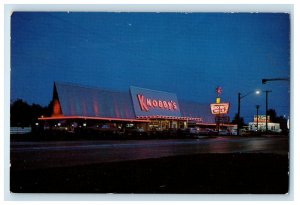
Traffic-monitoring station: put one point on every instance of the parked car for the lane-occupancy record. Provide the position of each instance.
(211, 132)
(233, 132)
(223, 132)
(103, 129)
(193, 130)
(206, 132)
(134, 131)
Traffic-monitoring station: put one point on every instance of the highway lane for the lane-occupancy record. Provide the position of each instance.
(37, 155)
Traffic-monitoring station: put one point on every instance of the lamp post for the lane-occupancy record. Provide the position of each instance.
(240, 96)
(267, 92)
(257, 107)
(263, 81)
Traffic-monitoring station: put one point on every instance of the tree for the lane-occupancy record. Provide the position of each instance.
(272, 114)
(20, 113)
(240, 122)
(281, 120)
(23, 115)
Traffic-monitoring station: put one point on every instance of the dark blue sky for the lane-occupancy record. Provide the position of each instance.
(189, 54)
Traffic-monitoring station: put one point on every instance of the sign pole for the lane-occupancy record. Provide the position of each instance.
(267, 92)
(218, 101)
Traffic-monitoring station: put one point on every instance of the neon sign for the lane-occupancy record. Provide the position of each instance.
(148, 103)
(261, 118)
(218, 90)
(221, 108)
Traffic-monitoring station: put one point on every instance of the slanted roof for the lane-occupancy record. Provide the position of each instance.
(193, 109)
(77, 100)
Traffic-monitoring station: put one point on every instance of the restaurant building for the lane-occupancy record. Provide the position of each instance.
(259, 124)
(147, 110)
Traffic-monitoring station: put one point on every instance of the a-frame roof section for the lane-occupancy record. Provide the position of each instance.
(77, 100)
(193, 109)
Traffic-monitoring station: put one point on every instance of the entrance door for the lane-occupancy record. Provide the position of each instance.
(174, 124)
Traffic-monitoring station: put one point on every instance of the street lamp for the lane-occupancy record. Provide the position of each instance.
(257, 107)
(240, 96)
(267, 92)
(263, 81)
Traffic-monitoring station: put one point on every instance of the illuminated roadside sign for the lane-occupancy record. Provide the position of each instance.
(148, 102)
(261, 118)
(222, 119)
(218, 90)
(221, 108)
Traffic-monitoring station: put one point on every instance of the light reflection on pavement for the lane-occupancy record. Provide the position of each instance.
(36, 155)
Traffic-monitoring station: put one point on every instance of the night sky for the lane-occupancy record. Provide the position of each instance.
(189, 54)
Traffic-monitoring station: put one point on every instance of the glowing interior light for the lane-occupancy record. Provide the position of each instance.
(91, 118)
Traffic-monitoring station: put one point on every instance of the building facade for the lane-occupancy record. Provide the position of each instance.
(259, 124)
(146, 110)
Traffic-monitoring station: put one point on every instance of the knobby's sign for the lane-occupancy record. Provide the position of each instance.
(148, 103)
(221, 108)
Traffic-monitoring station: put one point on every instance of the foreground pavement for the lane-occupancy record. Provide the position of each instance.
(236, 173)
(222, 165)
(39, 155)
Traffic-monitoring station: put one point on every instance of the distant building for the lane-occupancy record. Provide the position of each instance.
(261, 122)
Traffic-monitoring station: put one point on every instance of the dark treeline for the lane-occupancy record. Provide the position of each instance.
(24, 115)
(278, 119)
(239, 121)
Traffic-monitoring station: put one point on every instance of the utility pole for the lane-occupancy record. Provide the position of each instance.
(257, 107)
(267, 92)
(257, 92)
(238, 115)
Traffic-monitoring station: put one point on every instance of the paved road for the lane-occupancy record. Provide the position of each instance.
(36, 155)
